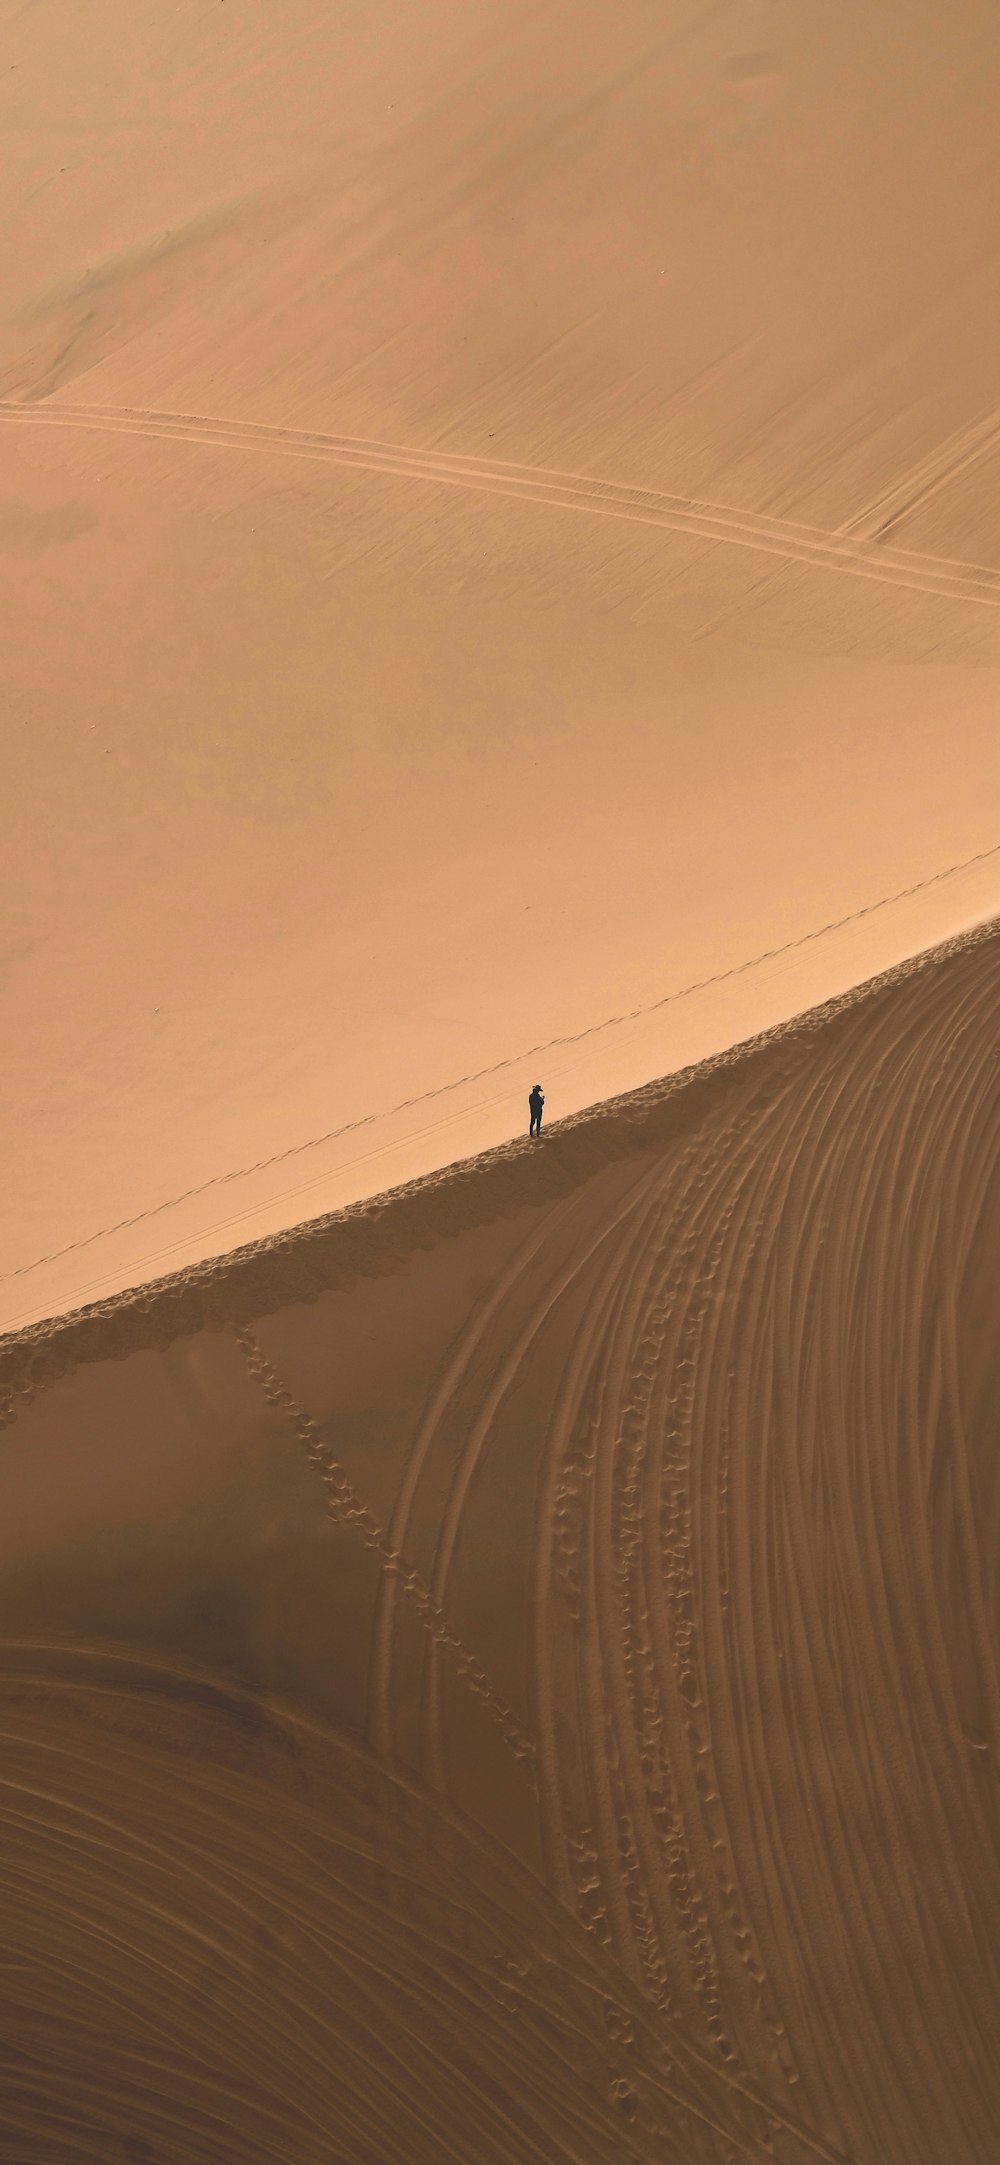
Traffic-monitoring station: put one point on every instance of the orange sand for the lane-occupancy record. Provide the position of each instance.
(498, 519)
(498, 525)
(511, 1672)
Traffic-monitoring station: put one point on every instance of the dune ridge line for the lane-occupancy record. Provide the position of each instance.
(498, 1067)
(381, 1232)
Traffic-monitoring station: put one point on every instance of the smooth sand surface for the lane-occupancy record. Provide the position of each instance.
(510, 1673)
(498, 521)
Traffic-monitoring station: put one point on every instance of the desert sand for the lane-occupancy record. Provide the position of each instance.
(498, 521)
(500, 548)
(509, 1671)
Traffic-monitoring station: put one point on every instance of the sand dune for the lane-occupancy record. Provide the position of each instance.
(512, 1671)
(498, 519)
(499, 532)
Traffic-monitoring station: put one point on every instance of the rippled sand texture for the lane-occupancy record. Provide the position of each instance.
(537, 1697)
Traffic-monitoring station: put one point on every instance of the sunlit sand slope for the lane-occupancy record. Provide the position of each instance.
(446, 447)
(511, 1673)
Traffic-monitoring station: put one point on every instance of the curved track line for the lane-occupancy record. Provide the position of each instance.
(784, 538)
(442, 1396)
(345, 1509)
(548, 1298)
(871, 1147)
(763, 1665)
(562, 1464)
(249, 1977)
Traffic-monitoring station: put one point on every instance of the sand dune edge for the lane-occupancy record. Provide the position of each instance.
(526, 1683)
(369, 1237)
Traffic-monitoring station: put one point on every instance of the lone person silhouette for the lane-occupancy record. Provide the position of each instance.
(535, 1103)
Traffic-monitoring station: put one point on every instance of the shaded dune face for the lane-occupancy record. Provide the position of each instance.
(541, 1701)
(229, 1936)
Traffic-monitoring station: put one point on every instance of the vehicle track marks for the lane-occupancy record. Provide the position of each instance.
(784, 538)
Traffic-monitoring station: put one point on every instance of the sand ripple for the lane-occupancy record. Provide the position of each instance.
(602, 1598)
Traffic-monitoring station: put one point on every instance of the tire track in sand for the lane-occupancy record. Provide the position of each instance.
(443, 1394)
(784, 538)
(765, 1699)
(270, 1951)
(722, 1394)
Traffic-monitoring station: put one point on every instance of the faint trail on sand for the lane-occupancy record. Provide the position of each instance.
(345, 1508)
(499, 1067)
(696, 1457)
(785, 538)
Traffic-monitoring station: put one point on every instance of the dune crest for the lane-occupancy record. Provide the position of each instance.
(512, 1672)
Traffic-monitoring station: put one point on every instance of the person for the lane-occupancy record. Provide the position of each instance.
(535, 1102)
